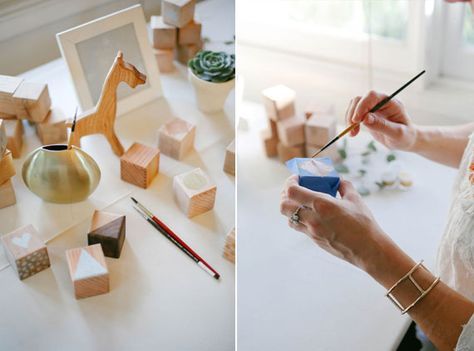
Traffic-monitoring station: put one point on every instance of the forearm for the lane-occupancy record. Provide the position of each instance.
(440, 314)
(442, 144)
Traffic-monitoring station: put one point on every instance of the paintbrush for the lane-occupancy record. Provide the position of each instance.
(372, 110)
(69, 143)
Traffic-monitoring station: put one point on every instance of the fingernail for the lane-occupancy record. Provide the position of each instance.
(370, 119)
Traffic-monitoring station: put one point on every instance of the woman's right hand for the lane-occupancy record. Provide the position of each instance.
(390, 125)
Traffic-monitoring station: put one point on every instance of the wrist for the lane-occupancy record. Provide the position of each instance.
(417, 139)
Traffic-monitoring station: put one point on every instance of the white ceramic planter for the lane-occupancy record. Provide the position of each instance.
(210, 96)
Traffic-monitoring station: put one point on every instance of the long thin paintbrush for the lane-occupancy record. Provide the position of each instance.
(69, 143)
(372, 110)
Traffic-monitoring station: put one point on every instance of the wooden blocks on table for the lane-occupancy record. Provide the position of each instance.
(176, 138)
(269, 143)
(139, 165)
(7, 168)
(291, 131)
(3, 138)
(164, 35)
(25, 251)
(194, 192)
(53, 129)
(178, 12)
(8, 106)
(186, 52)
(107, 229)
(190, 33)
(279, 102)
(320, 129)
(164, 59)
(229, 247)
(88, 271)
(229, 162)
(286, 153)
(14, 132)
(7, 194)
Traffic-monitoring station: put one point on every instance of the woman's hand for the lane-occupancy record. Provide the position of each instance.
(390, 125)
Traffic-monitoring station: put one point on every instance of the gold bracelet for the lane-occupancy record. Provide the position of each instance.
(409, 276)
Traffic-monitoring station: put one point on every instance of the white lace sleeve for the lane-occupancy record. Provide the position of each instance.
(466, 339)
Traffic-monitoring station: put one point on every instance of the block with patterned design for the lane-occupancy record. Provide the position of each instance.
(107, 229)
(229, 247)
(88, 271)
(25, 251)
(176, 138)
(194, 192)
(140, 164)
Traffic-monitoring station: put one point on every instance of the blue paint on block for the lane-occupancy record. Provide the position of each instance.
(317, 175)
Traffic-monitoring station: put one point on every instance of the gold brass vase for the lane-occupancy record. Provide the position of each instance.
(61, 175)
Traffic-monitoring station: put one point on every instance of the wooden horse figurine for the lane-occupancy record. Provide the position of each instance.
(101, 118)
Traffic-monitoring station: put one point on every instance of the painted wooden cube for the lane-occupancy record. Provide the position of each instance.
(164, 35)
(164, 60)
(229, 247)
(88, 271)
(176, 138)
(269, 143)
(7, 168)
(107, 229)
(330, 152)
(229, 161)
(3, 138)
(25, 251)
(178, 12)
(320, 129)
(14, 131)
(34, 99)
(317, 174)
(194, 192)
(186, 52)
(286, 153)
(279, 102)
(291, 130)
(190, 33)
(139, 165)
(7, 194)
(53, 129)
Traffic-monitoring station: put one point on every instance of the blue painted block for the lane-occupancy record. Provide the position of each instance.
(317, 174)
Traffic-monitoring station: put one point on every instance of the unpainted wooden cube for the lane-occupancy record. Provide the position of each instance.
(273, 129)
(286, 153)
(291, 130)
(279, 102)
(164, 35)
(330, 152)
(164, 60)
(178, 12)
(186, 52)
(14, 131)
(7, 194)
(320, 129)
(3, 138)
(190, 33)
(176, 138)
(229, 161)
(8, 105)
(314, 108)
(229, 247)
(194, 192)
(107, 229)
(269, 143)
(7, 168)
(25, 251)
(88, 271)
(139, 165)
(34, 97)
(53, 129)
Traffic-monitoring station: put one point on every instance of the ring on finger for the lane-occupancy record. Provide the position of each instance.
(295, 216)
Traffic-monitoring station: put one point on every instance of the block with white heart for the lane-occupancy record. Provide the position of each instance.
(317, 174)
(88, 271)
(25, 251)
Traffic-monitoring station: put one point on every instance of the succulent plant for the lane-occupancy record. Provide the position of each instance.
(212, 66)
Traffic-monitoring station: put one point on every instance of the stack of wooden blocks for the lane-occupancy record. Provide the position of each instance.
(7, 170)
(176, 34)
(291, 134)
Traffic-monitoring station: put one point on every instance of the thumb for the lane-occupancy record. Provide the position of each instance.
(382, 125)
(348, 192)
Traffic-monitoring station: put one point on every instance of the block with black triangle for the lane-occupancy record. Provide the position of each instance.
(107, 229)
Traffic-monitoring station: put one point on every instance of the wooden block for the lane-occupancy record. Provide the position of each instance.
(279, 102)
(164, 35)
(53, 129)
(273, 129)
(178, 12)
(176, 138)
(34, 97)
(164, 60)
(14, 131)
(320, 129)
(107, 229)
(314, 108)
(25, 251)
(194, 192)
(88, 271)
(269, 143)
(7, 168)
(229, 161)
(291, 131)
(190, 33)
(8, 85)
(286, 153)
(229, 247)
(330, 152)
(3, 138)
(184, 53)
(7, 194)
(140, 164)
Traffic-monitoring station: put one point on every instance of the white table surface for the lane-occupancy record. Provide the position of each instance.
(159, 298)
(292, 295)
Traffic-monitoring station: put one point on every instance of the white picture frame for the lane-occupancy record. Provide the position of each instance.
(90, 49)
